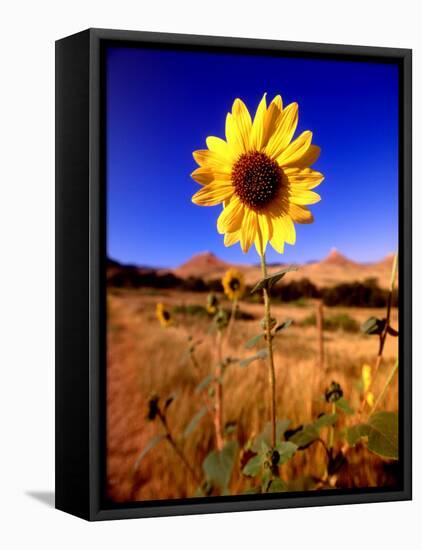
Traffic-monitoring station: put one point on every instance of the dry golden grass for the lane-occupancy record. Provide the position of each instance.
(144, 359)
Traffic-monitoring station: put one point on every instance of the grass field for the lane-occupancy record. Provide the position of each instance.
(146, 359)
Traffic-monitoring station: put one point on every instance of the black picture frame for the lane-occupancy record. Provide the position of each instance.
(80, 275)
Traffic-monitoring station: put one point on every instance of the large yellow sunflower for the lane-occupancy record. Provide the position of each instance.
(262, 177)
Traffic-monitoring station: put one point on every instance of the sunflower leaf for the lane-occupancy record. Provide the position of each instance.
(262, 354)
(194, 422)
(265, 435)
(276, 486)
(373, 326)
(218, 465)
(254, 340)
(286, 450)
(148, 447)
(382, 433)
(392, 331)
(253, 466)
(270, 280)
(204, 383)
(283, 326)
(344, 406)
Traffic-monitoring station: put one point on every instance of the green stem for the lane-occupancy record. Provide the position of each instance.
(331, 436)
(383, 335)
(269, 338)
(177, 449)
(218, 416)
(231, 321)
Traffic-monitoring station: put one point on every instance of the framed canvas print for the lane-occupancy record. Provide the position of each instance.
(233, 274)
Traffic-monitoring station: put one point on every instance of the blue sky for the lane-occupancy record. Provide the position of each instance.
(161, 105)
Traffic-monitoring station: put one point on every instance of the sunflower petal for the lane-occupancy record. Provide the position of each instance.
(231, 238)
(295, 150)
(299, 214)
(248, 231)
(220, 147)
(264, 233)
(284, 229)
(257, 132)
(272, 117)
(277, 242)
(231, 217)
(203, 175)
(210, 159)
(243, 121)
(283, 134)
(304, 178)
(213, 193)
(303, 196)
(311, 156)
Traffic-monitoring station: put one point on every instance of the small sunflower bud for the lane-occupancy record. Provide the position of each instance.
(153, 408)
(221, 319)
(275, 457)
(212, 303)
(333, 393)
(273, 323)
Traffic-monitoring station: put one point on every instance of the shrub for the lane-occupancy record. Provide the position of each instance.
(340, 321)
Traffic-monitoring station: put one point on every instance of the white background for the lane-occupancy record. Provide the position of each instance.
(27, 36)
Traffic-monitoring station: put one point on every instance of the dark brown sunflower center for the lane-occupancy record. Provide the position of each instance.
(166, 315)
(256, 179)
(234, 284)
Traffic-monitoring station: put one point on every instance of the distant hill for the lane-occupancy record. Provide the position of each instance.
(332, 270)
(202, 265)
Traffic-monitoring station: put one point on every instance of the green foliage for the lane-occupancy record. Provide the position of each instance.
(265, 464)
(269, 281)
(295, 291)
(325, 421)
(195, 421)
(357, 294)
(341, 321)
(381, 432)
(148, 447)
(283, 326)
(218, 465)
(344, 406)
(194, 310)
(252, 342)
(261, 354)
(306, 435)
(254, 466)
(373, 326)
(276, 486)
(205, 383)
(265, 435)
(286, 450)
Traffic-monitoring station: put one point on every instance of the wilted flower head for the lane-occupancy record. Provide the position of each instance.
(153, 407)
(234, 284)
(163, 315)
(212, 303)
(221, 319)
(333, 393)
